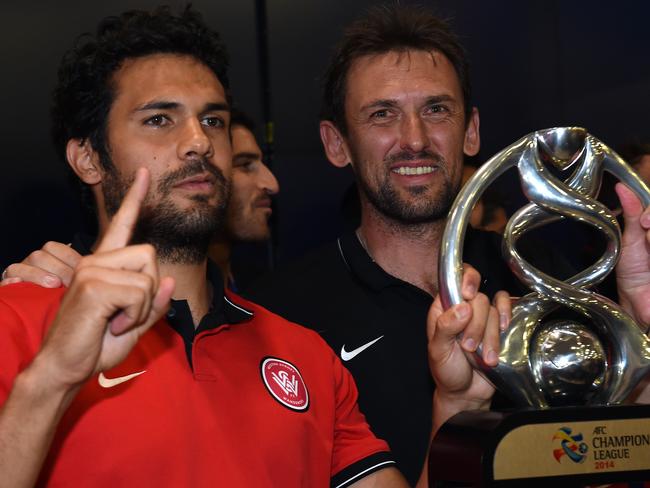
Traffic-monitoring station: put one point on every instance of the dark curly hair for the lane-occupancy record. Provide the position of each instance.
(388, 28)
(242, 119)
(84, 92)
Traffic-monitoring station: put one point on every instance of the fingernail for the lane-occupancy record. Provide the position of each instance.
(461, 311)
(492, 357)
(469, 344)
(470, 290)
(503, 321)
(51, 281)
(645, 220)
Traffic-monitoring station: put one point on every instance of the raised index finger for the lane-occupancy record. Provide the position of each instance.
(121, 227)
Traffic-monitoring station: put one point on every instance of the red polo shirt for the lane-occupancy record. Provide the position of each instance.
(263, 403)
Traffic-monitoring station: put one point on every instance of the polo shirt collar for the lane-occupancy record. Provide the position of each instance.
(224, 309)
(362, 266)
(233, 313)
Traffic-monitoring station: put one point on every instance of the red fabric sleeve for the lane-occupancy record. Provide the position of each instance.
(25, 313)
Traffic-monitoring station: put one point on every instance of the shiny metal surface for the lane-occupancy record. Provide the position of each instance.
(569, 362)
(525, 372)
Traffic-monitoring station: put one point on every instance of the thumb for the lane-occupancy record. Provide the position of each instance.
(637, 221)
(631, 205)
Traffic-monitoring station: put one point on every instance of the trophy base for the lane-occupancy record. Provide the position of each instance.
(559, 447)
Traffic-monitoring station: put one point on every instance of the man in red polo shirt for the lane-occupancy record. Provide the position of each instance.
(108, 384)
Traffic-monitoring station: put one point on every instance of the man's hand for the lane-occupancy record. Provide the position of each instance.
(458, 385)
(51, 266)
(454, 332)
(114, 297)
(633, 269)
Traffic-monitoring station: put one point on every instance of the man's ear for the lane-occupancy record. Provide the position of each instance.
(472, 142)
(84, 161)
(335, 146)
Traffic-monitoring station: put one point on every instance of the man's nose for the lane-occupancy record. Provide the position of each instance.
(268, 181)
(413, 134)
(194, 141)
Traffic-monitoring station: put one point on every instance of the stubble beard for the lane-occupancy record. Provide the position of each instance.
(419, 209)
(243, 224)
(256, 230)
(180, 236)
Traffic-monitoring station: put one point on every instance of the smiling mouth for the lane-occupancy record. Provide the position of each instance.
(414, 170)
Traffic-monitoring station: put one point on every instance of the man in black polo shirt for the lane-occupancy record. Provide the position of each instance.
(397, 107)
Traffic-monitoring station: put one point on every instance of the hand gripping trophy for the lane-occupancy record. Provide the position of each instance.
(545, 361)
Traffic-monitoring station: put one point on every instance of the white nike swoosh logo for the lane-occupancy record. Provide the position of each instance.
(111, 382)
(346, 356)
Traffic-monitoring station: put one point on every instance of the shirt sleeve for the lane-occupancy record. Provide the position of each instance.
(25, 313)
(357, 452)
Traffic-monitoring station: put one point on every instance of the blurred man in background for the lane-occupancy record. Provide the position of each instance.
(249, 208)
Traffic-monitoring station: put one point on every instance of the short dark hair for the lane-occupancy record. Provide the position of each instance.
(84, 92)
(390, 28)
(237, 117)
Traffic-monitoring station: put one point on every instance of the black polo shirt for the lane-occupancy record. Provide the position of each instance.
(376, 323)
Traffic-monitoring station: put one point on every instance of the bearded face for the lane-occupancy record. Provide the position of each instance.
(171, 115)
(413, 204)
(407, 134)
(180, 235)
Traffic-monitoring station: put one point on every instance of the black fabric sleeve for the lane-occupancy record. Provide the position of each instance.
(364, 467)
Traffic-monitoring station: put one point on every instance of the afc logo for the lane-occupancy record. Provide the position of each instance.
(571, 446)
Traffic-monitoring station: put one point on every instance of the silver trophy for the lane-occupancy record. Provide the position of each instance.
(595, 361)
(585, 364)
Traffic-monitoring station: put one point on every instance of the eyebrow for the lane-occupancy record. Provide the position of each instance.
(440, 98)
(167, 105)
(382, 103)
(216, 107)
(387, 103)
(246, 155)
